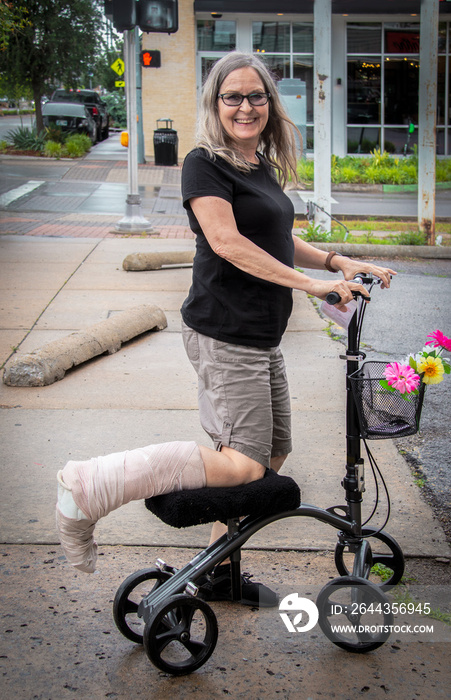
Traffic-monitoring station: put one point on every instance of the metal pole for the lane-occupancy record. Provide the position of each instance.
(322, 109)
(133, 221)
(427, 111)
(139, 106)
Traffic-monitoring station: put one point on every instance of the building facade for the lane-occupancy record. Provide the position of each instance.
(375, 67)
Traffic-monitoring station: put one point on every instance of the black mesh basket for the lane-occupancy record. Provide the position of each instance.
(383, 414)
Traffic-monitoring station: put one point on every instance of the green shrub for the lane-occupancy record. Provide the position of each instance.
(315, 234)
(25, 139)
(350, 173)
(117, 109)
(53, 149)
(77, 145)
(411, 238)
(305, 170)
(3, 146)
(443, 170)
(54, 133)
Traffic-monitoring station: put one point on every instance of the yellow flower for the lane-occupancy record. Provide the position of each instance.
(431, 368)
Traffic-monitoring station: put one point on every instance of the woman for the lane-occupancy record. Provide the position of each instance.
(234, 317)
(244, 272)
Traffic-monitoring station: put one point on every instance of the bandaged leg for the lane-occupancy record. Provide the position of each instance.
(87, 491)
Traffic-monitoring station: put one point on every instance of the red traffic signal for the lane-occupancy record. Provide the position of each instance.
(151, 59)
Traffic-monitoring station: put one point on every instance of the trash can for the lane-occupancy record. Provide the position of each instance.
(165, 143)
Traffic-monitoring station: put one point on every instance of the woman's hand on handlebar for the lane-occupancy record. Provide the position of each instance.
(343, 288)
(350, 268)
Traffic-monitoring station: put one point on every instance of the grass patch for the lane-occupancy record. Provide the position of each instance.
(385, 232)
(376, 169)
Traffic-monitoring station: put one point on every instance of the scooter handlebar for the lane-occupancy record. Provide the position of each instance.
(361, 278)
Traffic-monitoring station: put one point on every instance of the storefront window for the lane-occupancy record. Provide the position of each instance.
(216, 35)
(364, 91)
(287, 50)
(302, 37)
(363, 139)
(303, 70)
(364, 37)
(399, 140)
(271, 36)
(441, 85)
(440, 142)
(442, 37)
(401, 90)
(402, 37)
(278, 65)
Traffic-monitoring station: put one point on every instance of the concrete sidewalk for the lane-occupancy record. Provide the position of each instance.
(59, 639)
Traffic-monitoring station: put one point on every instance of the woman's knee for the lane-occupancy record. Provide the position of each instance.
(245, 469)
(229, 467)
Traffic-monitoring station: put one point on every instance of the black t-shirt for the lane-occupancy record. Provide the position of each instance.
(224, 302)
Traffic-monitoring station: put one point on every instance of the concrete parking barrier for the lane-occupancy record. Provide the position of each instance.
(138, 262)
(50, 363)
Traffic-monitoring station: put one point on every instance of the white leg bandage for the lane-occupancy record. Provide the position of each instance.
(91, 489)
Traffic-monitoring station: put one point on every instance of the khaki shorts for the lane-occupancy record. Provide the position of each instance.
(244, 401)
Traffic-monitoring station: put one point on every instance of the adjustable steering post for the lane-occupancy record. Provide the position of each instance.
(354, 481)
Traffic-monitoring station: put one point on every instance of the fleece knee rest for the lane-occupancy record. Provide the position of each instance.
(268, 496)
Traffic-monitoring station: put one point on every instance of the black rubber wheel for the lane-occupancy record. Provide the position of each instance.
(127, 599)
(181, 634)
(392, 558)
(354, 614)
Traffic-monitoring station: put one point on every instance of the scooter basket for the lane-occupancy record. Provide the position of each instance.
(383, 414)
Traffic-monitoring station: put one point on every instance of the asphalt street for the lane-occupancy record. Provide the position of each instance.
(109, 197)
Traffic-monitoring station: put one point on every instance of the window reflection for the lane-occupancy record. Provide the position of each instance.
(216, 35)
(271, 36)
(364, 91)
(401, 90)
(364, 37)
(363, 140)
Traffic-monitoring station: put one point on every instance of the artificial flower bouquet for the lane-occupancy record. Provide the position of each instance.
(427, 367)
(389, 397)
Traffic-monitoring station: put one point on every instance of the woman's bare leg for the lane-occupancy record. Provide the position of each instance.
(89, 490)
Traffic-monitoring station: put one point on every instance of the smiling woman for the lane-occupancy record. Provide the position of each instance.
(244, 271)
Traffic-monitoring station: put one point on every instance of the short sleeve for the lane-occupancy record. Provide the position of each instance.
(204, 177)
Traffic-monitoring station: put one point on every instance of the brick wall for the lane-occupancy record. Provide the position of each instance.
(170, 91)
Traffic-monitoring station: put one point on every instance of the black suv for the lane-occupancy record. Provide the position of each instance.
(95, 105)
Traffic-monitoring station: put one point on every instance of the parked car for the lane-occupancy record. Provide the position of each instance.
(93, 102)
(69, 117)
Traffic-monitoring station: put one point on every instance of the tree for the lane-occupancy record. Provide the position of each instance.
(12, 19)
(56, 43)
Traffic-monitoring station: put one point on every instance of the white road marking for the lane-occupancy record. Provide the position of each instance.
(19, 192)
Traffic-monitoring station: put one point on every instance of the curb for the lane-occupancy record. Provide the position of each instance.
(388, 251)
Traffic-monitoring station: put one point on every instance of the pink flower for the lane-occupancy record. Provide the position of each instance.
(439, 340)
(401, 377)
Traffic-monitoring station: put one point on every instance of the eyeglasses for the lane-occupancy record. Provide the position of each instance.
(234, 99)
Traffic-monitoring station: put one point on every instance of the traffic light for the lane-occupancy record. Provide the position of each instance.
(157, 15)
(124, 14)
(150, 15)
(151, 59)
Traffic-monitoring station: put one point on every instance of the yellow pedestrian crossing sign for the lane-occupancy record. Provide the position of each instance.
(118, 66)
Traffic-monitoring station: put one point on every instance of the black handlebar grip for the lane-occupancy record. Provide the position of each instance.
(333, 298)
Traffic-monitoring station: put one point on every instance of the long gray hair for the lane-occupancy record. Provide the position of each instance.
(277, 141)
